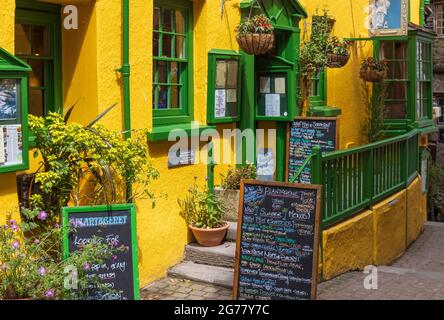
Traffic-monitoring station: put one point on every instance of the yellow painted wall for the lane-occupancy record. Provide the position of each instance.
(415, 214)
(377, 236)
(348, 245)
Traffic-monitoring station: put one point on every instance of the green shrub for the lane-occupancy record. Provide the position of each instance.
(232, 180)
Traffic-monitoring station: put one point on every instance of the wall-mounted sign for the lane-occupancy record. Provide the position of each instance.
(277, 249)
(388, 17)
(181, 157)
(303, 135)
(272, 96)
(13, 113)
(112, 225)
(266, 164)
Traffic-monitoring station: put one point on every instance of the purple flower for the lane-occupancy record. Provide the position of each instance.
(50, 293)
(36, 241)
(12, 222)
(115, 243)
(42, 271)
(56, 226)
(86, 266)
(15, 244)
(14, 227)
(114, 257)
(42, 216)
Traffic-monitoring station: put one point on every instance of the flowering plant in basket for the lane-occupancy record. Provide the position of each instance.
(374, 71)
(255, 35)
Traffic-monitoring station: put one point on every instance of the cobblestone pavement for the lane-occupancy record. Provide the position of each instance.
(419, 274)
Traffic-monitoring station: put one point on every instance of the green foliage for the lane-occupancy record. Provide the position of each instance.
(31, 266)
(89, 165)
(234, 176)
(436, 189)
(372, 64)
(336, 46)
(202, 209)
(257, 24)
(373, 125)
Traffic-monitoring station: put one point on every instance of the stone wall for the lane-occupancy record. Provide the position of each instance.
(438, 55)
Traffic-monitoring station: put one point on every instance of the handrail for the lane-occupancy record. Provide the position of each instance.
(354, 179)
(369, 146)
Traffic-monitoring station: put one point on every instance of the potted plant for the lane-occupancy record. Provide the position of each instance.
(229, 189)
(31, 267)
(203, 211)
(436, 193)
(337, 53)
(373, 71)
(255, 35)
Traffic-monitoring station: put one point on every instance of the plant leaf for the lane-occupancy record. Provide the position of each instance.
(70, 110)
(100, 116)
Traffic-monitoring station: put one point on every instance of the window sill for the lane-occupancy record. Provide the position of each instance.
(161, 133)
(324, 111)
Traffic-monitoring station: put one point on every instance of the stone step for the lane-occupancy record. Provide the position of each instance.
(221, 256)
(232, 231)
(203, 273)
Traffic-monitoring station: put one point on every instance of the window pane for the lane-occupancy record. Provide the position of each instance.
(156, 37)
(36, 77)
(221, 74)
(180, 47)
(163, 98)
(156, 18)
(401, 50)
(166, 46)
(180, 22)
(155, 90)
(22, 39)
(396, 110)
(162, 72)
(232, 74)
(175, 98)
(167, 22)
(39, 41)
(174, 72)
(387, 50)
(36, 102)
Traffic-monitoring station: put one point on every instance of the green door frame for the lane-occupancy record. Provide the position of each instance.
(46, 15)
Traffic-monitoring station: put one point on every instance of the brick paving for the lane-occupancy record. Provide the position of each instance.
(417, 275)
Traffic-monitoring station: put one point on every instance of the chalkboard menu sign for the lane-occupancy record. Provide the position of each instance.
(112, 224)
(278, 238)
(303, 135)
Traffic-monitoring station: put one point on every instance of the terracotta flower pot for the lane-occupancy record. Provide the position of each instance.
(373, 75)
(210, 237)
(256, 43)
(337, 60)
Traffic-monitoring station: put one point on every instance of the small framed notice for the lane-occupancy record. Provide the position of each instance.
(273, 105)
(220, 103)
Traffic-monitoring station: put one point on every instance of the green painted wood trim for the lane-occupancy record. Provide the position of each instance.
(281, 152)
(104, 208)
(325, 111)
(161, 133)
(213, 56)
(183, 114)
(38, 6)
(22, 119)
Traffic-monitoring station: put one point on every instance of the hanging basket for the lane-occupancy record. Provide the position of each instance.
(256, 43)
(337, 61)
(373, 75)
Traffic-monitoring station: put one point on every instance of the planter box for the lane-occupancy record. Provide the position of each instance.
(230, 199)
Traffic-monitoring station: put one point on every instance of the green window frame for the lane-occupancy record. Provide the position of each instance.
(228, 83)
(424, 76)
(47, 16)
(413, 89)
(318, 89)
(20, 77)
(172, 62)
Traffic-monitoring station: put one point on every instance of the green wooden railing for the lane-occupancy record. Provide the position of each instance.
(354, 179)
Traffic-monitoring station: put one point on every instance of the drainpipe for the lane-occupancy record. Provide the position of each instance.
(125, 70)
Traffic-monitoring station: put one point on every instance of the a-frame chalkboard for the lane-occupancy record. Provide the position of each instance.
(304, 134)
(110, 223)
(277, 241)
